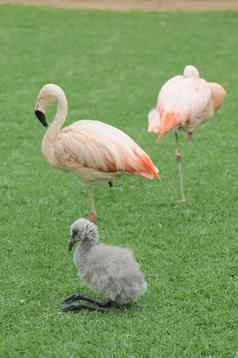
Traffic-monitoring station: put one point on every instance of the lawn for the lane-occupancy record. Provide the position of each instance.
(111, 66)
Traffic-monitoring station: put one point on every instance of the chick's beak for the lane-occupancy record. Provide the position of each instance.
(71, 243)
(40, 115)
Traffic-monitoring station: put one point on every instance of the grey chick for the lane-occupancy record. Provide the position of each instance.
(111, 270)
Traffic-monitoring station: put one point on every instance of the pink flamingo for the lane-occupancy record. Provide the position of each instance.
(93, 150)
(184, 102)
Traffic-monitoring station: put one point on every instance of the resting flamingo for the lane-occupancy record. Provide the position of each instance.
(184, 102)
(93, 150)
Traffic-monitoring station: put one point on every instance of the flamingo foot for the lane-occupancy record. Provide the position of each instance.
(92, 217)
(92, 305)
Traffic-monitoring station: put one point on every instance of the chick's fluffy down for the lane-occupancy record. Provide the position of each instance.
(113, 271)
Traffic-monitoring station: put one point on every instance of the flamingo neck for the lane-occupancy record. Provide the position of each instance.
(83, 251)
(54, 128)
(61, 114)
(85, 247)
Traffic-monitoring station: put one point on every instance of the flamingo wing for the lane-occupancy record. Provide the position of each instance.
(182, 100)
(218, 95)
(103, 148)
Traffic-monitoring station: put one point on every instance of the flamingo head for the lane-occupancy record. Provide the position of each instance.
(191, 71)
(218, 95)
(83, 231)
(48, 94)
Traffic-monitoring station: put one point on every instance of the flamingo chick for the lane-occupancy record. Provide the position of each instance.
(93, 150)
(184, 102)
(111, 270)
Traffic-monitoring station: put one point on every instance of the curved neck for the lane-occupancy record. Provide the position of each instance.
(57, 123)
(54, 128)
(61, 113)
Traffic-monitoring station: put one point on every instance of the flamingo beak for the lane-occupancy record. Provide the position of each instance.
(71, 244)
(40, 115)
(72, 240)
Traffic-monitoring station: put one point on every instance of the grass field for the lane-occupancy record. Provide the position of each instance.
(111, 67)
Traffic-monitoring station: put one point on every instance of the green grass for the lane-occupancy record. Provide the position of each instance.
(111, 67)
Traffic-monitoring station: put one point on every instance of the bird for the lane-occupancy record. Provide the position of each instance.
(93, 150)
(184, 102)
(109, 270)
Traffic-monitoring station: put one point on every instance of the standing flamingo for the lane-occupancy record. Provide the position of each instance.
(184, 102)
(93, 150)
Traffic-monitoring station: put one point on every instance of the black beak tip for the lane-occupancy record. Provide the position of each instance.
(71, 244)
(41, 117)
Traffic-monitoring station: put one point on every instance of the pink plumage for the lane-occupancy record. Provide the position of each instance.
(96, 150)
(92, 150)
(185, 101)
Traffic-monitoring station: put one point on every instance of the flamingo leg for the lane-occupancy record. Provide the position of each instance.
(190, 135)
(92, 206)
(179, 170)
